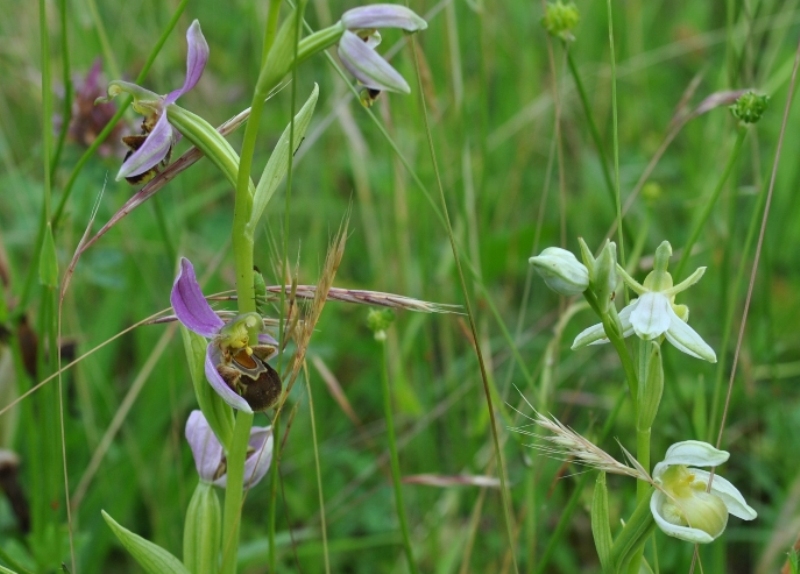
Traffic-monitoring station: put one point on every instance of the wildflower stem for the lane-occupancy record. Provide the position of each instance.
(322, 520)
(231, 518)
(506, 503)
(708, 205)
(593, 131)
(270, 29)
(396, 482)
(615, 131)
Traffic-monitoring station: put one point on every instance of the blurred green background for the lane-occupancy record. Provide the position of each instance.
(494, 83)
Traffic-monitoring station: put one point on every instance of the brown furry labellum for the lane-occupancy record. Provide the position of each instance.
(252, 377)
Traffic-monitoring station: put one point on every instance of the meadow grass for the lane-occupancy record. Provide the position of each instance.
(496, 154)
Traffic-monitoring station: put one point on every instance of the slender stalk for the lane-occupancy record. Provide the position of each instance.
(615, 131)
(709, 204)
(471, 316)
(66, 109)
(274, 478)
(395, 460)
(231, 516)
(593, 131)
(318, 468)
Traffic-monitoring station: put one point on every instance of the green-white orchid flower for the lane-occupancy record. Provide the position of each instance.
(681, 505)
(655, 313)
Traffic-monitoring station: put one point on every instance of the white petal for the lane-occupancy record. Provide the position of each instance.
(686, 339)
(695, 453)
(650, 318)
(625, 318)
(730, 495)
(683, 532)
(594, 335)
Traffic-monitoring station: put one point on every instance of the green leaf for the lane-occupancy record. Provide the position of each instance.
(281, 57)
(633, 535)
(4, 570)
(48, 261)
(278, 163)
(151, 557)
(217, 412)
(601, 529)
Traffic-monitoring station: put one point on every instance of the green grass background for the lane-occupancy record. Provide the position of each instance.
(489, 89)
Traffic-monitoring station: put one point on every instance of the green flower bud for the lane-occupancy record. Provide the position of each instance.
(560, 19)
(604, 277)
(749, 107)
(561, 271)
(378, 321)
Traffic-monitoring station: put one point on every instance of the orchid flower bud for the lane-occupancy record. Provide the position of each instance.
(561, 271)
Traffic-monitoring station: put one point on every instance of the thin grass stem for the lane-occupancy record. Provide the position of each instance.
(708, 204)
(506, 503)
(318, 469)
(397, 483)
(615, 132)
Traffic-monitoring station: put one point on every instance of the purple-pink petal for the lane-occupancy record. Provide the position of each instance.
(383, 16)
(154, 149)
(265, 339)
(368, 67)
(189, 304)
(228, 395)
(196, 58)
(206, 448)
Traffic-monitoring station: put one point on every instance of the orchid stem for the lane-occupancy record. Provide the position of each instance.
(231, 517)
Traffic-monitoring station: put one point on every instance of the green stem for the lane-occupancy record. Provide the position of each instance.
(498, 452)
(314, 442)
(273, 493)
(396, 482)
(709, 204)
(733, 297)
(593, 131)
(613, 330)
(615, 122)
(66, 79)
(231, 518)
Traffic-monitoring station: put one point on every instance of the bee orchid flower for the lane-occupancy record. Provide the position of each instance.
(158, 134)
(357, 44)
(237, 371)
(209, 455)
(681, 505)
